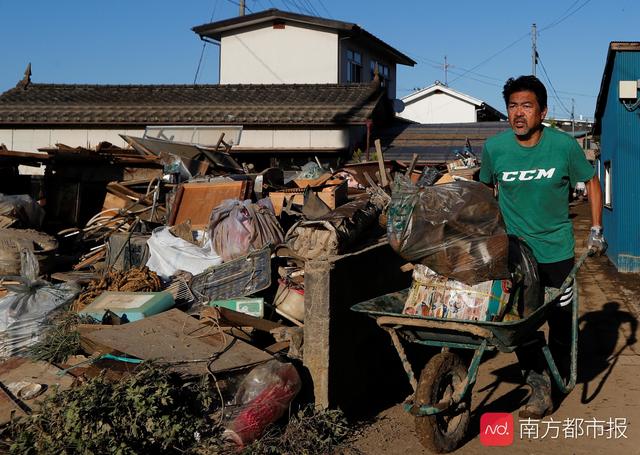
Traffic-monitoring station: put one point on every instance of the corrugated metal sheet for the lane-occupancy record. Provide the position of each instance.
(620, 144)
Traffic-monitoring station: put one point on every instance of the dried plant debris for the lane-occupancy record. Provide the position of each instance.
(60, 340)
(309, 432)
(153, 411)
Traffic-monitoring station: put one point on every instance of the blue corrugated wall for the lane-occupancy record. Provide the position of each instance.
(620, 143)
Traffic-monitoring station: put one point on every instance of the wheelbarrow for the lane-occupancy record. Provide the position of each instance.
(441, 402)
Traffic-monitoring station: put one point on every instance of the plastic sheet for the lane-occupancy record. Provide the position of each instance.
(455, 229)
(524, 270)
(24, 310)
(263, 397)
(23, 208)
(240, 227)
(333, 233)
(311, 170)
(169, 253)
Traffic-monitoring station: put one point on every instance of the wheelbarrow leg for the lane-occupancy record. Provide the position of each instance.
(403, 357)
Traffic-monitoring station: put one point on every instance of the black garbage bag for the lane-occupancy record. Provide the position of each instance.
(455, 229)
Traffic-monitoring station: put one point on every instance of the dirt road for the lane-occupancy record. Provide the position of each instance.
(608, 381)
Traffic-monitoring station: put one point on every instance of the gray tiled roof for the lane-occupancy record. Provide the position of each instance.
(436, 143)
(111, 105)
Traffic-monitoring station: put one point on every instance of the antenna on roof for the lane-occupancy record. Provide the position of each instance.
(26, 80)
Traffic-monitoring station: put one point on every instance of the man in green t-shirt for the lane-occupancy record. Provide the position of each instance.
(533, 168)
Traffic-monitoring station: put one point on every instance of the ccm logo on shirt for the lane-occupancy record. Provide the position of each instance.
(532, 174)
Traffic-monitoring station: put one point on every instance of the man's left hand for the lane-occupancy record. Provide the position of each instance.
(596, 241)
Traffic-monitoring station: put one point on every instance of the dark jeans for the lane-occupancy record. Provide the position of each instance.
(559, 319)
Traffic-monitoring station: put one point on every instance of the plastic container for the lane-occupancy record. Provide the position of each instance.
(290, 300)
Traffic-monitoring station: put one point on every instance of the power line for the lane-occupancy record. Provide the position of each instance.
(259, 4)
(204, 43)
(302, 8)
(544, 70)
(462, 73)
(233, 2)
(566, 16)
(325, 8)
(288, 5)
(493, 56)
(311, 7)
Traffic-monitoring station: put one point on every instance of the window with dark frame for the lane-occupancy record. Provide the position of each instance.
(383, 72)
(354, 66)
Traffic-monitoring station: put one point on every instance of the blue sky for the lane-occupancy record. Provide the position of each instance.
(147, 42)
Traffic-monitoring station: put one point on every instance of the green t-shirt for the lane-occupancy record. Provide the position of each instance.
(533, 188)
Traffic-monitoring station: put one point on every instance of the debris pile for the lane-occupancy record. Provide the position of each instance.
(169, 280)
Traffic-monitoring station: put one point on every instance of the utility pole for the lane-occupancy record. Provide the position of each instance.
(446, 71)
(534, 51)
(241, 7)
(573, 117)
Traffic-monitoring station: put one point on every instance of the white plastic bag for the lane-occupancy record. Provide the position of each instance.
(168, 254)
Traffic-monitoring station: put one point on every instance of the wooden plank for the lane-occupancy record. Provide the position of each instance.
(383, 173)
(334, 196)
(196, 201)
(174, 337)
(238, 319)
(412, 166)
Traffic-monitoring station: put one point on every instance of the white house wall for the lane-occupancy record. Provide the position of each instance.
(30, 140)
(293, 55)
(295, 139)
(440, 108)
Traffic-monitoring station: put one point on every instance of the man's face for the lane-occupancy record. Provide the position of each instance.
(525, 115)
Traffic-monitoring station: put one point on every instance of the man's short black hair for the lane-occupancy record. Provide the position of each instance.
(526, 83)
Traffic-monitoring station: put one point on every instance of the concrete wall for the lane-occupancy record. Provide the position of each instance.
(438, 107)
(292, 55)
(350, 360)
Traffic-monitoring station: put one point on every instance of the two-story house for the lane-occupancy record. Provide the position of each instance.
(279, 47)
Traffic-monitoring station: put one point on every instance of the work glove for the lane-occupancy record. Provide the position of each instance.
(596, 241)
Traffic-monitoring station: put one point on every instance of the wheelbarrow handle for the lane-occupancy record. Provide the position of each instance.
(569, 279)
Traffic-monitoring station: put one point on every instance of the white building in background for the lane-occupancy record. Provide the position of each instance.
(279, 47)
(294, 83)
(441, 104)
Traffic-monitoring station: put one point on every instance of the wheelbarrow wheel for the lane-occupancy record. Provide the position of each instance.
(445, 431)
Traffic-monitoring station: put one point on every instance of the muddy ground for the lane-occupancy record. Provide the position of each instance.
(608, 379)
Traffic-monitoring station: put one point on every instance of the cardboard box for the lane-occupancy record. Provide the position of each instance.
(333, 193)
(136, 305)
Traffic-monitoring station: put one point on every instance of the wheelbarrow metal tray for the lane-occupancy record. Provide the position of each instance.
(506, 336)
